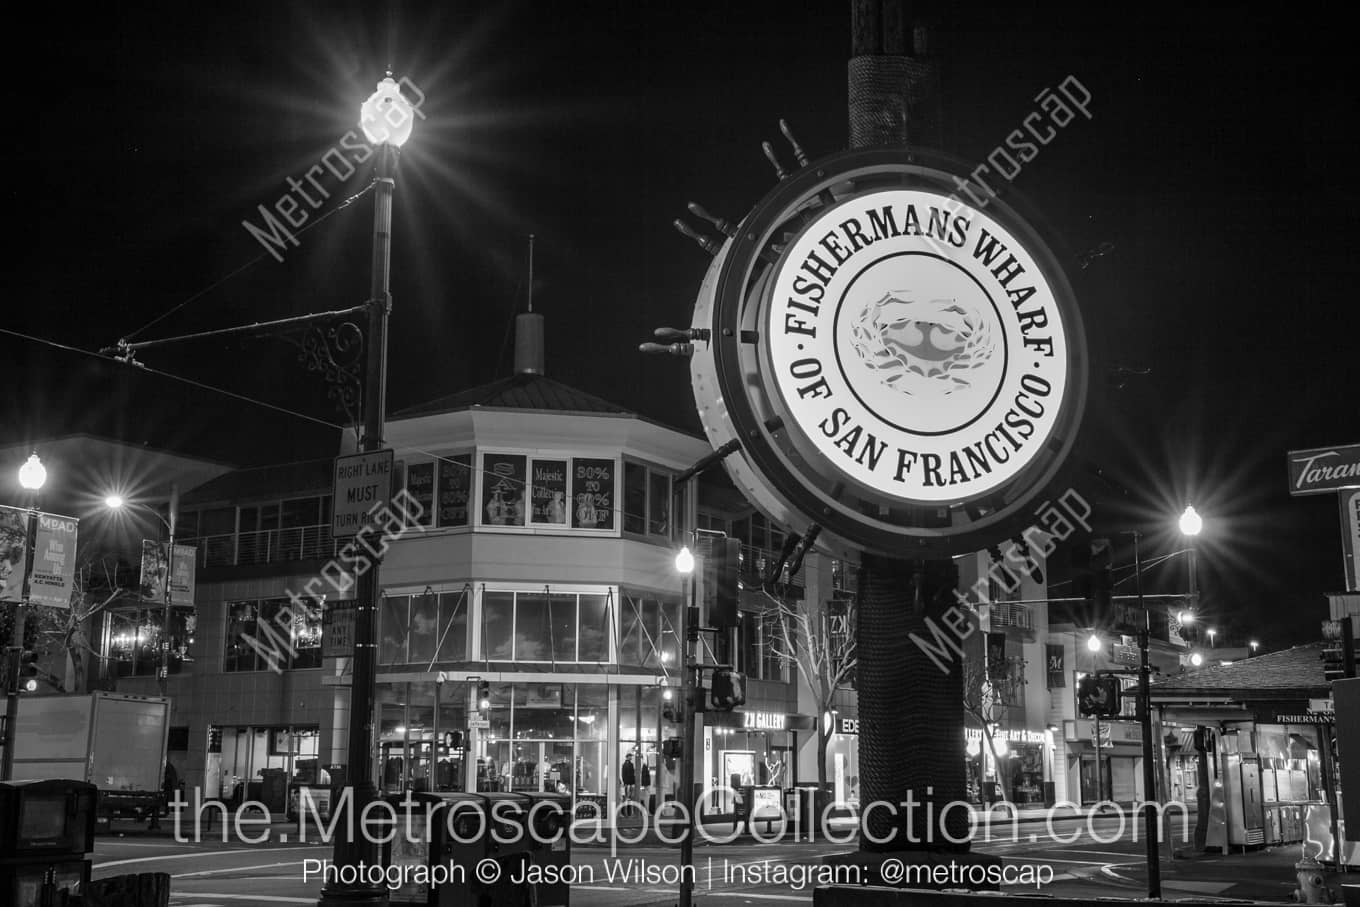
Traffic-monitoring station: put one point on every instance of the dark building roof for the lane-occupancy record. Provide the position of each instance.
(522, 391)
(1296, 671)
(281, 481)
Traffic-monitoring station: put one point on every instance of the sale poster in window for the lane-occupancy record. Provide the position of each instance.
(503, 489)
(549, 490)
(455, 488)
(420, 486)
(592, 494)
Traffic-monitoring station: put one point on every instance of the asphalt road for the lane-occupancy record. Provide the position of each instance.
(1070, 861)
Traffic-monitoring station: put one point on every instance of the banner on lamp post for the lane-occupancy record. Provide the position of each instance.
(13, 553)
(54, 561)
(183, 572)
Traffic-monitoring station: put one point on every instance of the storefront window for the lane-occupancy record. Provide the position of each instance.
(135, 636)
(1026, 766)
(547, 737)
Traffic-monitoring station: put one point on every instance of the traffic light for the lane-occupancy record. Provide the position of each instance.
(722, 607)
(728, 691)
(27, 671)
(1098, 696)
(483, 695)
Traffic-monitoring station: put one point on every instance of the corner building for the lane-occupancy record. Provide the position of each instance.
(540, 570)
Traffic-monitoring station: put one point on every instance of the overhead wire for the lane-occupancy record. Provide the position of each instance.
(250, 264)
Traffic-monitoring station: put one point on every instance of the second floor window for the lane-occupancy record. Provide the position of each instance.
(272, 634)
(545, 626)
(424, 629)
(646, 500)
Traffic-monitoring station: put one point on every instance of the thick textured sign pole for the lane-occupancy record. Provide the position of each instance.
(906, 699)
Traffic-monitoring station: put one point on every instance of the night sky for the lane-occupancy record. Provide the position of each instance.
(1217, 162)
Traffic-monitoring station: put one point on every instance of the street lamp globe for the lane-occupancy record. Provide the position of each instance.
(1191, 522)
(387, 117)
(684, 561)
(1093, 643)
(114, 501)
(1185, 617)
(1196, 659)
(33, 473)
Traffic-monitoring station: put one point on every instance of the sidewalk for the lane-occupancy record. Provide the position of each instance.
(1266, 874)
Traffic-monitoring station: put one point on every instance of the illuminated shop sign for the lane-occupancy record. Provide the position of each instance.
(1010, 735)
(765, 721)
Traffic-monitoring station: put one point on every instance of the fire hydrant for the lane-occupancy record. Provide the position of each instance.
(1312, 889)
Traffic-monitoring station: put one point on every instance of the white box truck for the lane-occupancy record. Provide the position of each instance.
(115, 741)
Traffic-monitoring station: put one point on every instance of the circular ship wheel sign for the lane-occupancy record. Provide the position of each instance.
(920, 366)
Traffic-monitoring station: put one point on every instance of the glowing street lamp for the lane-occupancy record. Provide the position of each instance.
(1254, 646)
(1093, 643)
(33, 474)
(1212, 634)
(684, 562)
(1191, 522)
(1196, 659)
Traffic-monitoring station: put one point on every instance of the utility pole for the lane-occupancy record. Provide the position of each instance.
(1154, 866)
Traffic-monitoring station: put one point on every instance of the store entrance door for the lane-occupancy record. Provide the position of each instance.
(1092, 792)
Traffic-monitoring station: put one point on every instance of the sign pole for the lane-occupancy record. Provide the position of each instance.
(353, 846)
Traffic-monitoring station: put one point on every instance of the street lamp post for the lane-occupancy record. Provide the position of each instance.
(1154, 867)
(32, 475)
(1190, 526)
(684, 563)
(386, 118)
(116, 502)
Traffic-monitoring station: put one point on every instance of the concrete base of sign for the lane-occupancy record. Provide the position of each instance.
(917, 869)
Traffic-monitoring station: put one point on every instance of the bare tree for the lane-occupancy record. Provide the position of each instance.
(986, 698)
(822, 648)
(50, 630)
